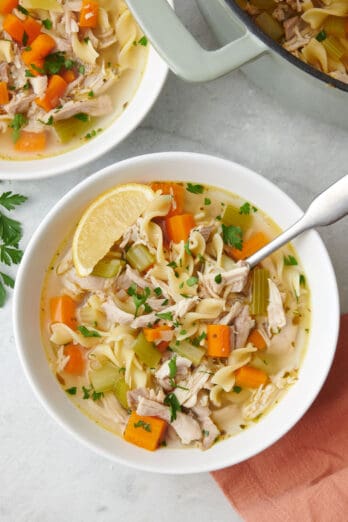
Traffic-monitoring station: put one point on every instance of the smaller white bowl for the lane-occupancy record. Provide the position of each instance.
(182, 167)
(151, 84)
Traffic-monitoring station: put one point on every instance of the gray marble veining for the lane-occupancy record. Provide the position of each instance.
(47, 476)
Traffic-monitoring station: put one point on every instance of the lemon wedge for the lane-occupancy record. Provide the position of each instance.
(105, 221)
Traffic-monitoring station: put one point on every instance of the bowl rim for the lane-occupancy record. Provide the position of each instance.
(49, 405)
(60, 164)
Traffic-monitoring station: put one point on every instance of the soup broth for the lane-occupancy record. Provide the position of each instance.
(182, 332)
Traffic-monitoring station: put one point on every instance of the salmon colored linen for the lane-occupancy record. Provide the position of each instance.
(304, 476)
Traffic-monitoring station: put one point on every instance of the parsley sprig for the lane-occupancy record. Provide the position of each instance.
(233, 236)
(10, 235)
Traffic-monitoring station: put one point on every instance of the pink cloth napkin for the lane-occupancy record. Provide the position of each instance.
(304, 476)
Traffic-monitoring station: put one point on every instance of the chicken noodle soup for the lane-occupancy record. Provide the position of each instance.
(315, 31)
(170, 339)
(68, 68)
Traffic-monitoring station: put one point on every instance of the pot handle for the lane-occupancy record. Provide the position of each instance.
(184, 55)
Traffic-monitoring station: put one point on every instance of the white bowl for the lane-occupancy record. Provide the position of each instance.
(183, 167)
(152, 81)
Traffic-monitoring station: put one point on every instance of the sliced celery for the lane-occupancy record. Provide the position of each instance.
(139, 257)
(193, 353)
(120, 390)
(72, 128)
(108, 267)
(146, 351)
(104, 378)
(259, 300)
(270, 25)
(231, 216)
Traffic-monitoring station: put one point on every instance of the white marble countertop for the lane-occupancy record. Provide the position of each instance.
(46, 475)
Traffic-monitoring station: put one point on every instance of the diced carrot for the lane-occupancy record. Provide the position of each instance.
(179, 227)
(6, 6)
(31, 141)
(14, 27)
(156, 334)
(55, 90)
(249, 377)
(250, 246)
(175, 190)
(257, 339)
(4, 97)
(89, 14)
(32, 27)
(63, 310)
(68, 76)
(146, 432)
(42, 46)
(218, 338)
(76, 362)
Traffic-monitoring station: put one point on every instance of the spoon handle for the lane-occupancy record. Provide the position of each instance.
(328, 207)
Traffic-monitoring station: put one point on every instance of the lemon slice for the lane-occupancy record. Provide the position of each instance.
(105, 221)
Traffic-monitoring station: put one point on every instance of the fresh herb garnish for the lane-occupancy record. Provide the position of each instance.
(139, 299)
(22, 9)
(55, 62)
(237, 389)
(302, 280)
(247, 208)
(321, 36)
(166, 316)
(72, 390)
(10, 235)
(195, 189)
(205, 433)
(171, 400)
(19, 121)
(81, 69)
(48, 122)
(91, 94)
(26, 86)
(158, 291)
(290, 261)
(25, 38)
(191, 281)
(88, 333)
(40, 70)
(28, 74)
(172, 367)
(142, 424)
(233, 236)
(82, 116)
(218, 278)
(165, 302)
(86, 40)
(187, 248)
(172, 264)
(207, 201)
(47, 24)
(196, 341)
(90, 393)
(143, 41)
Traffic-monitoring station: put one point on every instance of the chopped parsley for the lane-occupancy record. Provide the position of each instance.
(172, 367)
(247, 208)
(91, 94)
(195, 189)
(233, 236)
(187, 248)
(218, 278)
(26, 86)
(81, 69)
(47, 24)
(207, 201)
(158, 291)
(72, 390)
(165, 302)
(191, 281)
(205, 433)
(57, 61)
(321, 36)
(142, 424)
(90, 393)
(25, 38)
(139, 299)
(290, 261)
(166, 316)
(19, 121)
(88, 333)
(28, 74)
(302, 280)
(82, 116)
(172, 264)
(171, 400)
(237, 389)
(196, 341)
(22, 9)
(143, 41)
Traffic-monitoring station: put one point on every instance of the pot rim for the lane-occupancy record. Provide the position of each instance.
(277, 48)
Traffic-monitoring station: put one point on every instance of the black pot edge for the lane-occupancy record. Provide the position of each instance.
(247, 20)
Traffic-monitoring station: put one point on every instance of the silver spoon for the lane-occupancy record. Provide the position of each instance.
(327, 208)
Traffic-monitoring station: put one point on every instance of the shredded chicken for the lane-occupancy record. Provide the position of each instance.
(275, 310)
(187, 395)
(243, 324)
(162, 375)
(209, 430)
(95, 107)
